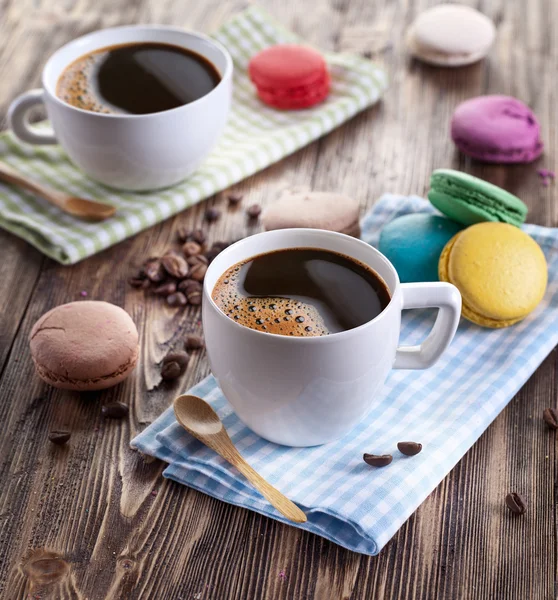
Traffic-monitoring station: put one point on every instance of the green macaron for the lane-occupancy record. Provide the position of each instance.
(471, 200)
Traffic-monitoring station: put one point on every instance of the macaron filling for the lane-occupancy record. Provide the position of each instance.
(488, 207)
(54, 378)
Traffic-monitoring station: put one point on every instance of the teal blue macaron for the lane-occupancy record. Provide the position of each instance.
(471, 200)
(413, 244)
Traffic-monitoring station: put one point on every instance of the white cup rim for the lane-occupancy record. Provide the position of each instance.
(332, 337)
(225, 76)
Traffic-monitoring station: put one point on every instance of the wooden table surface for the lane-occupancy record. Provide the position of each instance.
(124, 531)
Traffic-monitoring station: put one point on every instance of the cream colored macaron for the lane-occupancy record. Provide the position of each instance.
(500, 271)
(450, 35)
(85, 345)
(316, 210)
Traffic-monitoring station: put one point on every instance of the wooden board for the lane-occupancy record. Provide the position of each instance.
(126, 533)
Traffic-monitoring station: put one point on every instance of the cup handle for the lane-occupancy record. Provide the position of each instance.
(19, 123)
(447, 299)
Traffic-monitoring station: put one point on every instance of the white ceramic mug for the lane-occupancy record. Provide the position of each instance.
(302, 391)
(131, 152)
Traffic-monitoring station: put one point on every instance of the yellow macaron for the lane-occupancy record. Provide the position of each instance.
(500, 271)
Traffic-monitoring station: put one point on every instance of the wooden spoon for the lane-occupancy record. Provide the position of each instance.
(201, 421)
(89, 210)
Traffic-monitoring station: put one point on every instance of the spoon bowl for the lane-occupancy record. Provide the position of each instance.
(90, 210)
(197, 416)
(202, 422)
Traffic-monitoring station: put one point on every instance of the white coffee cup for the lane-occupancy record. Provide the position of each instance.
(300, 391)
(131, 152)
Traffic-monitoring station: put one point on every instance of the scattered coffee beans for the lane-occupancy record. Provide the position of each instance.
(175, 265)
(377, 460)
(198, 267)
(193, 291)
(165, 289)
(115, 410)
(550, 415)
(176, 277)
(191, 249)
(194, 342)
(154, 270)
(174, 365)
(234, 198)
(254, 211)
(516, 503)
(212, 214)
(59, 436)
(409, 448)
(177, 299)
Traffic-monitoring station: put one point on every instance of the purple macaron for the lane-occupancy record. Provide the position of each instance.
(498, 129)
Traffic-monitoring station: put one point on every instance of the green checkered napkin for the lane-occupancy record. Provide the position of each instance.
(255, 137)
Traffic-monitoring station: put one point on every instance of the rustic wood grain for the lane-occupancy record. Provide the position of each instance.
(126, 533)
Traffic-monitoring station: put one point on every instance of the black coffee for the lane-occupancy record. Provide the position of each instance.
(301, 291)
(139, 78)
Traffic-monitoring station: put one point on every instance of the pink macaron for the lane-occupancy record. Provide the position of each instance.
(497, 129)
(84, 346)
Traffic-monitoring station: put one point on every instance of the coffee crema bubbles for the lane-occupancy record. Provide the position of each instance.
(301, 292)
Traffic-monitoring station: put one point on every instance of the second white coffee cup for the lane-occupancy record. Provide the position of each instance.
(131, 152)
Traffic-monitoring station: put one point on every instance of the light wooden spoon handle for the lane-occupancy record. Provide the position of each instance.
(54, 196)
(274, 496)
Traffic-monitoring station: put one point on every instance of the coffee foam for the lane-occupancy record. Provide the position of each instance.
(283, 316)
(77, 87)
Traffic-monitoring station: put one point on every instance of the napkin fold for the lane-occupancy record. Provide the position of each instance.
(446, 408)
(255, 137)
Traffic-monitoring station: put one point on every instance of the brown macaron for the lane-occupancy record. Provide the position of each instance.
(84, 346)
(316, 210)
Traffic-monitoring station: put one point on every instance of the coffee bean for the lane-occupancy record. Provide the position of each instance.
(174, 365)
(191, 248)
(254, 211)
(550, 415)
(177, 299)
(377, 460)
(115, 410)
(198, 272)
(165, 289)
(154, 270)
(194, 298)
(516, 503)
(194, 342)
(198, 236)
(235, 198)
(139, 282)
(183, 233)
(59, 436)
(198, 267)
(198, 259)
(189, 285)
(409, 448)
(212, 214)
(175, 265)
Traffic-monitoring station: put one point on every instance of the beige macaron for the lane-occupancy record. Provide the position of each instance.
(316, 210)
(450, 35)
(84, 345)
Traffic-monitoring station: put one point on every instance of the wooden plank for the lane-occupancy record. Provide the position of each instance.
(125, 532)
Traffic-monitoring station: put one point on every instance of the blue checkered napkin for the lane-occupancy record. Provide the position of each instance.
(446, 407)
